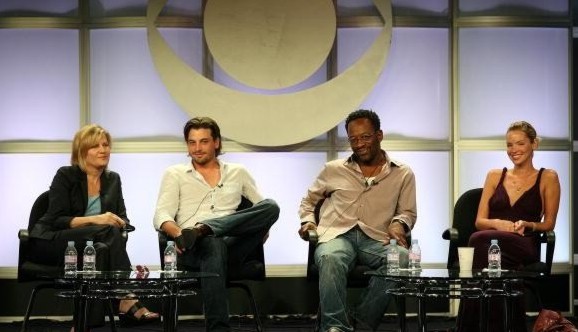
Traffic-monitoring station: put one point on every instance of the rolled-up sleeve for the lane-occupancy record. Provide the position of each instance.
(168, 199)
(406, 210)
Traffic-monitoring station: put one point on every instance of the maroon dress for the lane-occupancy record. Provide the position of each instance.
(517, 251)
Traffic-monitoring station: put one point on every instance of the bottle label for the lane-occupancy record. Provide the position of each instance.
(392, 257)
(70, 259)
(413, 256)
(89, 259)
(494, 257)
(169, 259)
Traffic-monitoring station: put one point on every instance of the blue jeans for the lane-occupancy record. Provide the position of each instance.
(334, 259)
(235, 237)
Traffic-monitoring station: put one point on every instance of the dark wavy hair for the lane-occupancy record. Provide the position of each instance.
(203, 122)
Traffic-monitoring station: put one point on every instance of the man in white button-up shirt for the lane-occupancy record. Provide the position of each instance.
(197, 206)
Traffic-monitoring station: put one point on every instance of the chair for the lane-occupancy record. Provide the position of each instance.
(465, 213)
(30, 270)
(253, 269)
(357, 277)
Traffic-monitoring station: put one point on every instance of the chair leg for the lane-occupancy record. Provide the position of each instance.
(35, 290)
(317, 325)
(533, 287)
(258, 324)
(110, 309)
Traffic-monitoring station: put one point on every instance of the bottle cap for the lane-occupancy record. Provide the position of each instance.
(494, 241)
(170, 243)
(392, 241)
(71, 243)
(89, 243)
(413, 241)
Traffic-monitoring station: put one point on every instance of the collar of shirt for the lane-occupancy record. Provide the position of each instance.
(389, 163)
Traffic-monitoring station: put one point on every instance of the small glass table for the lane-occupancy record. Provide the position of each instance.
(442, 283)
(107, 285)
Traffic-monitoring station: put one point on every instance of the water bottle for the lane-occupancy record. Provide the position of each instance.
(89, 257)
(70, 258)
(170, 257)
(414, 255)
(494, 256)
(393, 256)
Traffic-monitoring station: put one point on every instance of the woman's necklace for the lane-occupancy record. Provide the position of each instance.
(520, 182)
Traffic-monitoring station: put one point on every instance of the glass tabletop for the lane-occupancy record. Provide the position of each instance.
(134, 275)
(447, 274)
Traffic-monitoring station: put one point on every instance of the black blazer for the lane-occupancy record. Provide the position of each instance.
(69, 199)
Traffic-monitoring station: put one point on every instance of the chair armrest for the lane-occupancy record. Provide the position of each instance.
(550, 239)
(451, 234)
(311, 236)
(163, 238)
(23, 235)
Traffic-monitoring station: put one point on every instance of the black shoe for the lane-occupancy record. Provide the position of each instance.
(128, 319)
(190, 236)
(187, 239)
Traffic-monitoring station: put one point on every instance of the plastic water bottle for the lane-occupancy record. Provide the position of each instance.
(70, 258)
(170, 257)
(89, 257)
(494, 256)
(414, 255)
(393, 256)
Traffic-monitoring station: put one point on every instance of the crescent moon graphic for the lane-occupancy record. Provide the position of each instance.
(270, 120)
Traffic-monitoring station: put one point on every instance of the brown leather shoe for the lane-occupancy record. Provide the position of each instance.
(190, 236)
(202, 230)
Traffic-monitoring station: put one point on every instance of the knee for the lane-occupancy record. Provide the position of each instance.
(479, 238)
(331, 263)
(271, 206)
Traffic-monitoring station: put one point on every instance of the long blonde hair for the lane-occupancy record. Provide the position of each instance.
(87, 137)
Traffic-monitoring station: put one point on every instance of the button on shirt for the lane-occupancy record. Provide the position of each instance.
(350, 202)
(186, 198)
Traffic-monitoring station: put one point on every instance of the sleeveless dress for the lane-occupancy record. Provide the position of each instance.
(517, 251)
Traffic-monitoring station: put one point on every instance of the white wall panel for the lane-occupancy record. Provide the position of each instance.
(125, 87)
(39, 84)
(412, 94)
(24, 177)
(511, 74)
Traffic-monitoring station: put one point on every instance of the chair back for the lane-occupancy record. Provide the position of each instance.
(465, 213)
(39, 208)
(28, 268)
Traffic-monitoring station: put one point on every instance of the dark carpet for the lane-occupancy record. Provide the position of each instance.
(271, 324)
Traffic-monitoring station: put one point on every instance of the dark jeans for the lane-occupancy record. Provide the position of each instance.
(235, 237)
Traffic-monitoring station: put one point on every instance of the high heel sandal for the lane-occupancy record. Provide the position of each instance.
(129, 318)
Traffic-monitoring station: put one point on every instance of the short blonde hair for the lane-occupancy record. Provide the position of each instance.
(525, 127)
(86, 138)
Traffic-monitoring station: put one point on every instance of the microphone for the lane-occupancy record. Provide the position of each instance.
(220, 185)
(370, 184)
